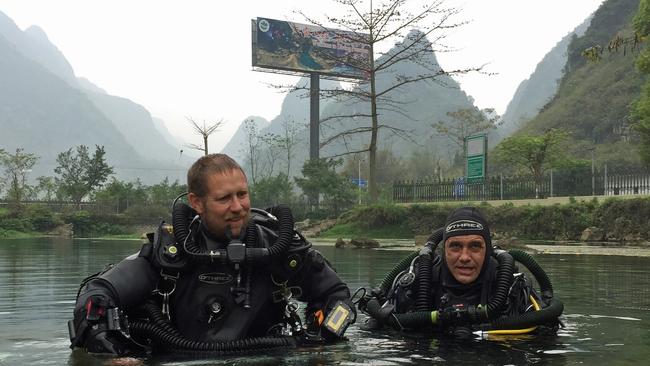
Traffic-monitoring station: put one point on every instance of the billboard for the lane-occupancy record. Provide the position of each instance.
(303, 48)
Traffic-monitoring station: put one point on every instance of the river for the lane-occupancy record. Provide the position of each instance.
(606, 316)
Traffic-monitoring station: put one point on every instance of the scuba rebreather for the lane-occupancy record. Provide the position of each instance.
(380, 305)
(173, 250)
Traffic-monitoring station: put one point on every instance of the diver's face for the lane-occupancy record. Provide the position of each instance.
(465, 255)
(226, 203)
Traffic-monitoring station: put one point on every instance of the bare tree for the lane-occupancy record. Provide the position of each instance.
(417, 29)
(286, 141)
(253, 147)
(466, 122)
(205, 131)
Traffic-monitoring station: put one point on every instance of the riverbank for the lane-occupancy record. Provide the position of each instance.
(607, 249)
(616, 220)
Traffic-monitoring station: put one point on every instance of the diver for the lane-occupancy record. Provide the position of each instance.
(471, 288)
(223, 278)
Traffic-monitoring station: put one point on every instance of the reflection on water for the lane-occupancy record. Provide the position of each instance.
(607, 308)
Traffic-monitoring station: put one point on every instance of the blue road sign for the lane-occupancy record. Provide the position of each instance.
(359, 182)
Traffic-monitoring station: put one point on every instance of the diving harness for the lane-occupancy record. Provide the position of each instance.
(172, 249)
(379, 304)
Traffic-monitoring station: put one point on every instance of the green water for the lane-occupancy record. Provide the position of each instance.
(606, 317)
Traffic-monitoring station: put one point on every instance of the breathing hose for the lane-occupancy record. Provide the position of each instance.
(530, 318)
(537, 271)
(386, 283)
(482, 315)
(184, 217)
(470, 314)
(162, 333)
(425, 263)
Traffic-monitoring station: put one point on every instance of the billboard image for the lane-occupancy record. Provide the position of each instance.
(305, 48)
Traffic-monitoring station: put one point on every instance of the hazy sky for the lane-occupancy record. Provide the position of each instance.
(192, 58)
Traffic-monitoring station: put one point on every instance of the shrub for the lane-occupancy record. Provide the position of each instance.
(145, 214)
(42, 217)
(16, 224)
(375, 216)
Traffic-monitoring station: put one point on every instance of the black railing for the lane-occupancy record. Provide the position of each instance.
(552, 184)
(60, 206)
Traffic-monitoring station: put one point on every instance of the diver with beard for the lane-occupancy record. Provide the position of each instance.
(471, 287)
(222, 279)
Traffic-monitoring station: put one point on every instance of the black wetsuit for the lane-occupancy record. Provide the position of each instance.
(446, 292)
(208, 302)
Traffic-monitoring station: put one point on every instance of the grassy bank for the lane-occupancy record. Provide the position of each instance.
(612, 219)
(23, 221)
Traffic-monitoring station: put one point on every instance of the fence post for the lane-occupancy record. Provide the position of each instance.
(605, 182)
(593, 178)
(501, 186)
(413, 191)
(551, 182)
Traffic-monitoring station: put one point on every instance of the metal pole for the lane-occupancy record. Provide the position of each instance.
(314, 113)
(593, 178)
(359, 181)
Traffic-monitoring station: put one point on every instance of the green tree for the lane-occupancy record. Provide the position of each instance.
(641, 107)
(47, 187)
(164, 193)
(16, 167)
(533, 153)
(122, 194)
(80, 174)
(270, 191)
(320, 178)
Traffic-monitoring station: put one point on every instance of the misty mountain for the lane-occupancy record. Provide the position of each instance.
(45, 110)
(533, 93)
(34, 44)
(172, 140)
(593, 98)
(41, 113)
(294, 110)
(236, 146)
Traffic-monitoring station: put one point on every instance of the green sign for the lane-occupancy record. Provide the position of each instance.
(475, 168)
(476, 155)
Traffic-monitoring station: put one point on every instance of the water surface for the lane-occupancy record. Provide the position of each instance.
(607, 312)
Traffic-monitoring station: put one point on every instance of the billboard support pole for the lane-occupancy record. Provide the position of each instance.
(314, 114)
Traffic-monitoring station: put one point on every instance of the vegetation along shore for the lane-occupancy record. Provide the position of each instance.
(607, 224)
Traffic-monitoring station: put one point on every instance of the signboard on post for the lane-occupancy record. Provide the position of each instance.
(303, 48)
(476, 157)
(359, 182)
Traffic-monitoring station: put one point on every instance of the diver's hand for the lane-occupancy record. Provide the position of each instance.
(103, 341)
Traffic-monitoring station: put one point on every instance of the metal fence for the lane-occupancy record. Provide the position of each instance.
(61, 206)
(553, 184)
